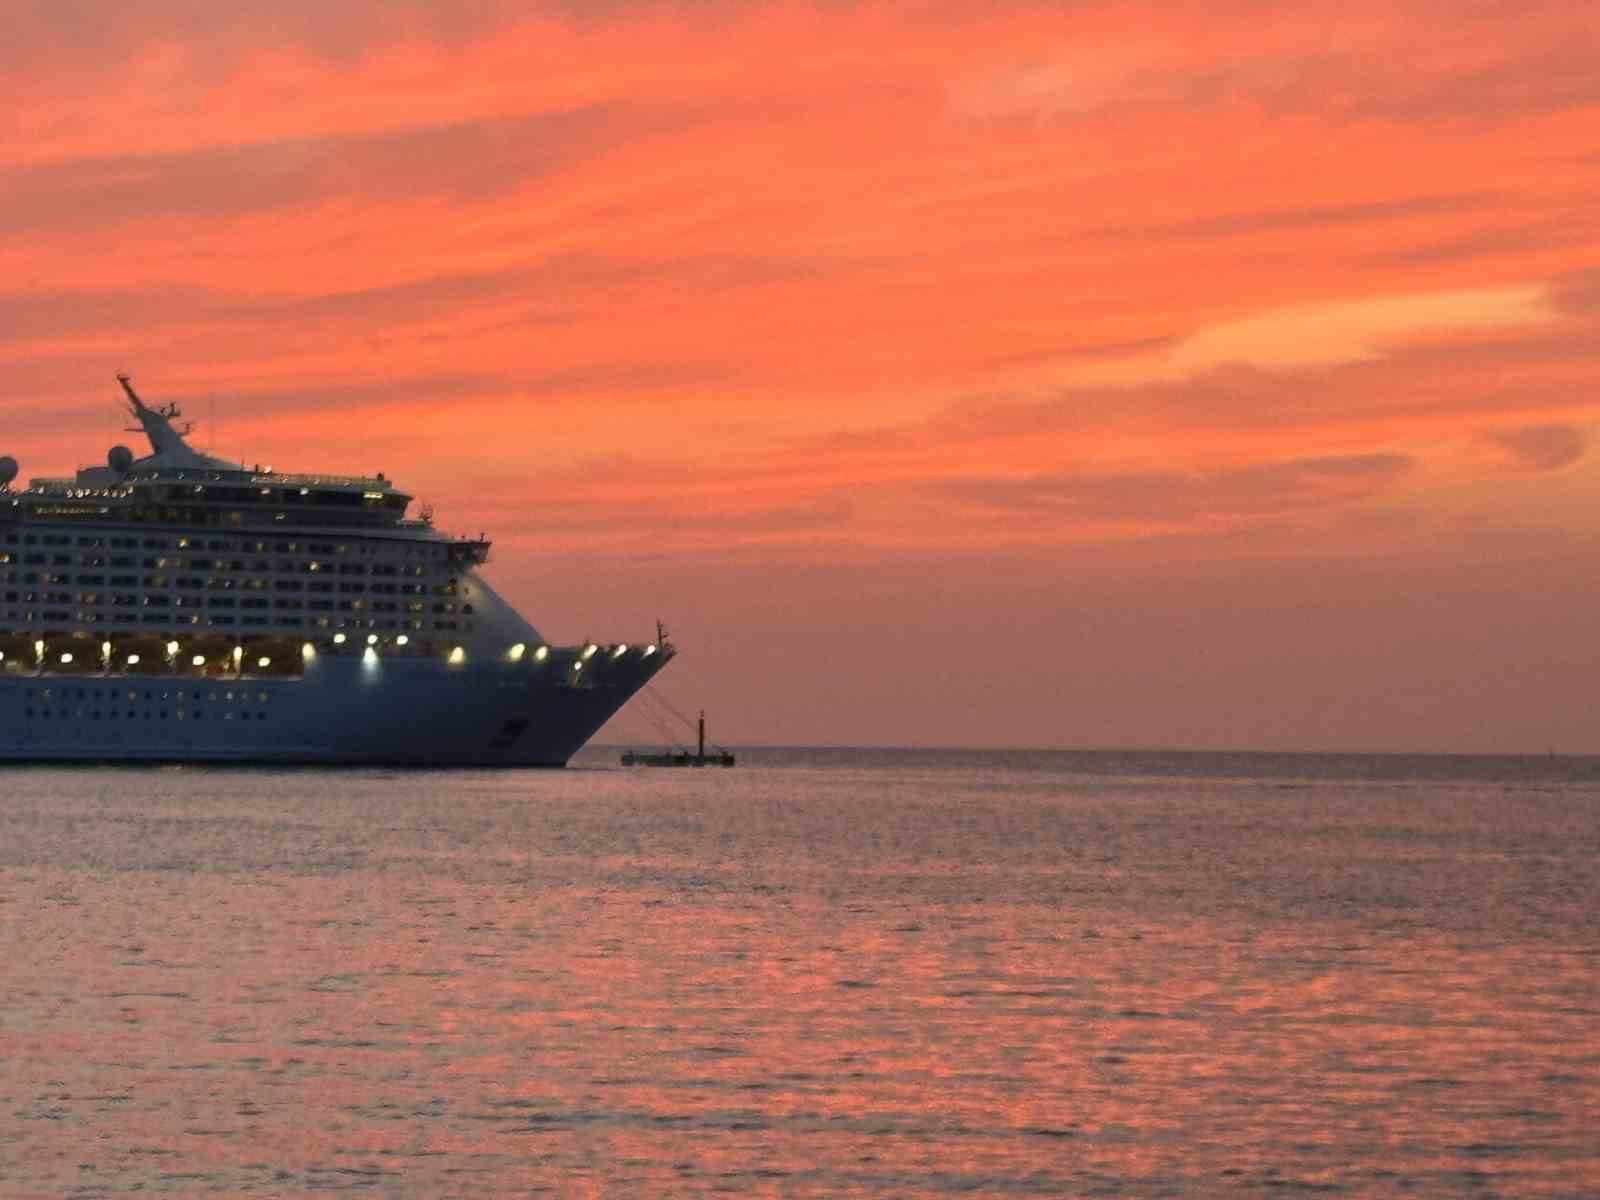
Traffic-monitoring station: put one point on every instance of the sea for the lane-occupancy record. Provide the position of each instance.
(830, 973)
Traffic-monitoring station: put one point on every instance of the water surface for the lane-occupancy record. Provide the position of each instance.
(823, 973)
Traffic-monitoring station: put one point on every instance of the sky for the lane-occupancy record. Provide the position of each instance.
(1059, 375)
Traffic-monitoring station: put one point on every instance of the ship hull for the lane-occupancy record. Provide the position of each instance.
(341, 710)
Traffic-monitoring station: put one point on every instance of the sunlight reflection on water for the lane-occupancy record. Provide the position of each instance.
(831, 976)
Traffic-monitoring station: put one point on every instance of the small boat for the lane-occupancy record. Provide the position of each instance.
(719, 757)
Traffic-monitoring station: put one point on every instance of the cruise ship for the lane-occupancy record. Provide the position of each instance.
(182, 608)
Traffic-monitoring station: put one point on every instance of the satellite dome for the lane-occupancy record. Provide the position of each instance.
(119, 459)
(8, 470)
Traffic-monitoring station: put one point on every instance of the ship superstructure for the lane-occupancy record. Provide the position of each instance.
(182, 607)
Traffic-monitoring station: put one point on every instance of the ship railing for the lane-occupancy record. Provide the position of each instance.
(375, 483)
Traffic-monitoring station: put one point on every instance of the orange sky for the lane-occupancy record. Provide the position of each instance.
(1074, 375)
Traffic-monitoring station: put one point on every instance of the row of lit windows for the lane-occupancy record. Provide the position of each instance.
(113, 714)
(176, 562)
(27, 619)
(162, 600)
(195, 583)
(237, 545)
(238, 696)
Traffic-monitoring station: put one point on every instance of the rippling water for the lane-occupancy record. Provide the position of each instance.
(821, 973)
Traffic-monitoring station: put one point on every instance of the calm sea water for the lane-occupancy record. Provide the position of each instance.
(819, 974)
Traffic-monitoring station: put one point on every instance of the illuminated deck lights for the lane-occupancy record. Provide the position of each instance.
(458, 655)
(372, 639)
(588, 651)
(542, 653)
(620, 650)
(516, 652)
(133, 660)
(369, 656)
(67, 657)
(198, 660)
(649, 650)
(308, 651)
(338, 639)
(402, 640)
(263, 661)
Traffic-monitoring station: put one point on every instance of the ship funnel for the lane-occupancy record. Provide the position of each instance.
(119, 459)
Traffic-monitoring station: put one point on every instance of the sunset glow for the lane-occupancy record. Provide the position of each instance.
(1014, 374)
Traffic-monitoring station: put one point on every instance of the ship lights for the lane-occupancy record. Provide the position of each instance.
(38, 648)
(67, 657)
(516, 652)
(372, 639)
(105, 649)
(401, 640)
(620, 650)
(542, 653)
(263, 661)
(369, 657)
(458, 655)
(133, 660)
(588, 651)
(338, 639)
(308, 651)
(172, 649)
(198, 660)
(576, 667)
